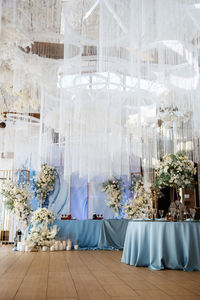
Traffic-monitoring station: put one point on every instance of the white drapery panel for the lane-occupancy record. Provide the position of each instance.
(130, 84)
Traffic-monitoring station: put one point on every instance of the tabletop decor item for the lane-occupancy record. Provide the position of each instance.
(17, 199)
(176, 171)
(192, 213)
(44, 182)
(175, 210)
(114, 192)
(140, 203)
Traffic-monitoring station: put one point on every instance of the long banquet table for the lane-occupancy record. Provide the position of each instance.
(94, 234)
(160, 245)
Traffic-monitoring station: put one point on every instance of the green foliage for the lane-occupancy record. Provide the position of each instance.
(175, 170)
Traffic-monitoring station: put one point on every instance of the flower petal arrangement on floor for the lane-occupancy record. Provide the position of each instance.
(42, 232)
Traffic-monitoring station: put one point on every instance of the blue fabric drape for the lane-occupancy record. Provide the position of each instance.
(112, 234)
(85, 232)
(93, 234)
(79, 197)
(160, 245)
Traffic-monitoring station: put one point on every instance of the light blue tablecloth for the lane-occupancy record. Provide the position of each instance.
(93, 234)
(112, 234)
(160, 245)
(85, 232)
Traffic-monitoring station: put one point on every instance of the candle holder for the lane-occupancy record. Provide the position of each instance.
(61, 247)
(76, 247)
(26, 249)
(44, 248)
(69, 244)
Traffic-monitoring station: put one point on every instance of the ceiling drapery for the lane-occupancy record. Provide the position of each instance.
(126, 91)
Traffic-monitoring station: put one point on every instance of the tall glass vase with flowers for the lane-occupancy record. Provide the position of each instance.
(175, 171)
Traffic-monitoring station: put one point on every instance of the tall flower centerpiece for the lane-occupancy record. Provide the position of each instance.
(17, 200)
(176, 171)
(114, 192)
(42, 233)
(44, 182)
(140, 203)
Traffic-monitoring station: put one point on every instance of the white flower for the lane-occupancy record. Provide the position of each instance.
(168, 160)
(44, 182)
(166, 169)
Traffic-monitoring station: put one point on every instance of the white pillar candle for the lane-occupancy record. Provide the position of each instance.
(61, 247)
(19, 246)
(52, 248)
(76, 247)
(64, 244)
(68, 248)
(69, 243)
(44, 248)
(26, 248)
(22, 247)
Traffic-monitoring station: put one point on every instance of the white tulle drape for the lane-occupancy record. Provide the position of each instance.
(127, 91)
(129, 84)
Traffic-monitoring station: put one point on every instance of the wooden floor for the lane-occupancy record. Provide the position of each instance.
(86, 275)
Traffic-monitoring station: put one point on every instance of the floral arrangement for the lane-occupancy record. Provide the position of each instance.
(137, 206)
(41, 234)
(134, 180)
(176, 170)
(17, 200)
(42, 215)
(114, 191)
(44, 182)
